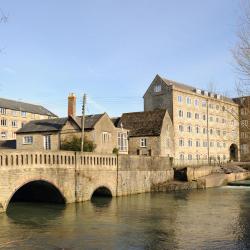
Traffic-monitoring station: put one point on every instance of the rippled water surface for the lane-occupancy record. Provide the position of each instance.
(210, 219)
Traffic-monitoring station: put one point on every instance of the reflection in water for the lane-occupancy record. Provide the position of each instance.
(210, 219)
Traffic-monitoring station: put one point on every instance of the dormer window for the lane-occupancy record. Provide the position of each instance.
(157, 88)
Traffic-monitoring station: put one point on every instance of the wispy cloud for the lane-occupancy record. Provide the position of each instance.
(98, 107)
(9, 70)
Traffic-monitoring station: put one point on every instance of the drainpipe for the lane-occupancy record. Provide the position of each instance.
(208, 142)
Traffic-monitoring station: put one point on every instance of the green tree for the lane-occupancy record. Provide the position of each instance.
(74, 144)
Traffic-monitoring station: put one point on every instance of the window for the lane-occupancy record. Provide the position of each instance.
(244, 123)
(14, 124)
(211, 106)
(243, 111)
(198, 157)
(143, 142)
(211, 144)
(244, 149)
(218, 132)
(106, 137)
(198, 143)
(28, 139)
(204, 130)
(2, 111)
(23, 113)
(204, 104)
(181, 156)
(196, 116)
(14, 113)
(180, 113)
(23, 123)
(3, 135)
(211, 131)
(181, 142)
(243, 135)
(47, 142)
(157, 88)
(181, 128)
(218, 144)
(189, 128)
(197, 129)
(190, 143)
(122, 142)
(234, 134)
(188, 100)
(211, 119)
(204, 117)
(224, 144)
(189, 115)
(196, 103)
(3, 122)
(189, 157)
(224, 133)
(205, 144)
(179, 99)
(223, 120)
(217, 107)
(217, 119)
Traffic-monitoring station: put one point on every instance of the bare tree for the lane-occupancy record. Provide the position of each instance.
(3, 17)
(241, 51)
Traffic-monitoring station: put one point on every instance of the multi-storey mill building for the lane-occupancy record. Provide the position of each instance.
(206, 125)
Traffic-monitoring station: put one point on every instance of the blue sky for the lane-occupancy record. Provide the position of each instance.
(112, 49)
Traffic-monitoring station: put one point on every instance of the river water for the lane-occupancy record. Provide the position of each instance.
(207, 219)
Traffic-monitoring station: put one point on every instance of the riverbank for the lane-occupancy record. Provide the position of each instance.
(204, 177)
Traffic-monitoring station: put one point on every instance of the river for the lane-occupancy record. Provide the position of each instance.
(205, 219)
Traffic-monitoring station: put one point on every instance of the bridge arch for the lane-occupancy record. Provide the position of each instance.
(102, 190)
(37, 190)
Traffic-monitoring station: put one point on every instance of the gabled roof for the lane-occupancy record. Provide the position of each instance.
(26, 107)
(183, 86)
(56, 124)
(47, 125)
(116, 121)
(148, 123)
(90, 120)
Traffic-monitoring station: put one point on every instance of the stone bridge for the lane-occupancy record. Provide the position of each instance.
(69, 177)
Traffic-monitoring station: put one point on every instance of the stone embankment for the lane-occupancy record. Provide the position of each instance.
(204, 177)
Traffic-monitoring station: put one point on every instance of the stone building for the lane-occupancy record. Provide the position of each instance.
(205, 124)
(46, 134)
(49, 134)
(150, 133)
(244, 118)
(14, 114)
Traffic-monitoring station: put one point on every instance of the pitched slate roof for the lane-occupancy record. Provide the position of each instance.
(46, 125)
(116, 121)
(90, 120)
(56, 124)
(26, 107)
(148, 123)
(187, 87)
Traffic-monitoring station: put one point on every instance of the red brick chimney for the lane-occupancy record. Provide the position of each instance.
(72, 105)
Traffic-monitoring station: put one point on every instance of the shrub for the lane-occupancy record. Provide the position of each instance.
(74, 144)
